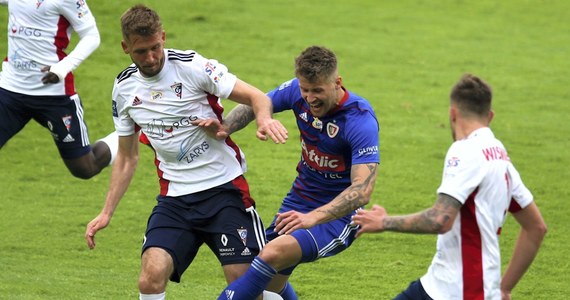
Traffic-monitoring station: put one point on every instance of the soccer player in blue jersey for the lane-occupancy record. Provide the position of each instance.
(336, 174)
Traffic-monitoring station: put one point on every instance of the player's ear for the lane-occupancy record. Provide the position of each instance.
(125, 47)
(491, 115)
(338, 82)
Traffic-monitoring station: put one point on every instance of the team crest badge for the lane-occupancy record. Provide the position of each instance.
(332, 130)
(67, 122)
(177, 89)
(243, 235)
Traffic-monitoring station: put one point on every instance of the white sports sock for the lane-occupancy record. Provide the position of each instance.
(112, 140)
(160, 296)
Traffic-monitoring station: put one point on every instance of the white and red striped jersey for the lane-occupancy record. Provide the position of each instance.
(478, 173)
(188, 87)
(38, 33)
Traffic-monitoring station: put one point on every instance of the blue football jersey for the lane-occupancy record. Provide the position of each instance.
(330, 145)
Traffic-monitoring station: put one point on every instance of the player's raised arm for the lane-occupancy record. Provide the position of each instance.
(261, 105)
(236, 120)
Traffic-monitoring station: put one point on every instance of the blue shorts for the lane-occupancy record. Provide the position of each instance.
(415, 291)
(61, 115)
(319, 241)
(217, 217)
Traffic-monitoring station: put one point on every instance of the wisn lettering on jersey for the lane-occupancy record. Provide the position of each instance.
(494, 153)
(320, 161)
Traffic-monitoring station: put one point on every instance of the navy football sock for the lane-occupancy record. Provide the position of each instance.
(251, 284)
(288, 293)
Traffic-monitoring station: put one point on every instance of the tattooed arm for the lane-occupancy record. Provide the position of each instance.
(363, 177)
(437, 219)
(238, 118)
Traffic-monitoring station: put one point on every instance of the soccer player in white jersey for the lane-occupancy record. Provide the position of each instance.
(204, 197)
(36, 80)
(479, 185)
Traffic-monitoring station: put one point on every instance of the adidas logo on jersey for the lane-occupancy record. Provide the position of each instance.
(137, 101)
(68, 139)
(229, 294)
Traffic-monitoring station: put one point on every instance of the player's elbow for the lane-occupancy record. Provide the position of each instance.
(443, 228)
(539, 231)
(443, 224)
(365, 198)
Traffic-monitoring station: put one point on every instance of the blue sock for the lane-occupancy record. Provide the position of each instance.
(251, 284)
(288, 293)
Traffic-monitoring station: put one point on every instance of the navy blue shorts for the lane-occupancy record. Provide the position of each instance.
(319, 241)
(415, 291)
(217, 217)
(61, 115)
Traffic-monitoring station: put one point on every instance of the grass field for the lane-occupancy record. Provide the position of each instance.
(401, 55)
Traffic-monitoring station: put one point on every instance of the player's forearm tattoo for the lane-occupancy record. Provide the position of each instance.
(431, 220)
(239, 117)
(353, 197)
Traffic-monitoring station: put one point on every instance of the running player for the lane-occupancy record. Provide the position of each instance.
(336, 173)
(479, 186)
(204, 197)
(36, 80)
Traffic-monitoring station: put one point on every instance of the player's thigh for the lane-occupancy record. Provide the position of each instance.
(14, 114)
(235, 235)
(63, 116)
(168, 230)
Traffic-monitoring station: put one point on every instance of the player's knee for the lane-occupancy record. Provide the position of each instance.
(151, 283)
(274, 256)
(83, 167)
(83, 173)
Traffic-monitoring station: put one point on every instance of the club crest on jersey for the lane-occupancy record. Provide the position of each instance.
(137, 101)
(177, 89)
(318, 124)
(332, 130)
(67, 122)
(243, 235)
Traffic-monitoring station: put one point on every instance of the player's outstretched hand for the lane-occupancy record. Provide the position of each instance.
(272, 128)
(290, 221)
(50, 77)
(213, 128)
(370, 220)
(100, 222)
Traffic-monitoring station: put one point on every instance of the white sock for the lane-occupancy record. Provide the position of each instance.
(160, 296)
(112, 140)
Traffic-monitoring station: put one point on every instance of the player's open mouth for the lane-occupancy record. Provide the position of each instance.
(316, 105)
